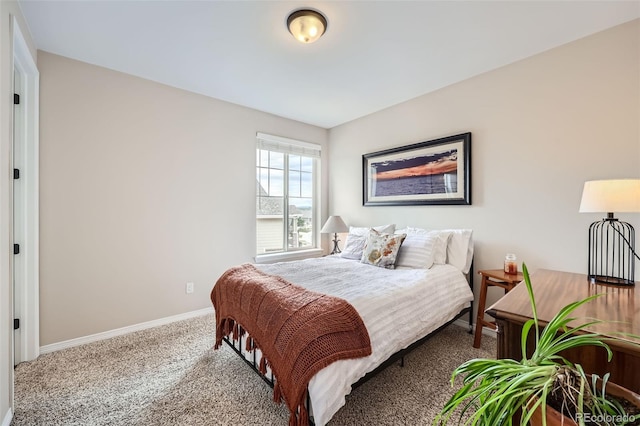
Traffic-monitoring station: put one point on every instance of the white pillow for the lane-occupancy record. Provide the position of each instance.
(364, 231)
(460, 249)
(458, 246)
(357, 238)
(417, 251)
(353, 246)
(440, 243)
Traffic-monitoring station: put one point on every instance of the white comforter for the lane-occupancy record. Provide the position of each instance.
(398, 307)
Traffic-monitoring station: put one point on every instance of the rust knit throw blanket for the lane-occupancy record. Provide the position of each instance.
(298, 331)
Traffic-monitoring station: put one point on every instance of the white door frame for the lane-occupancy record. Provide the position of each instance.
(17, 222)
(29, 304)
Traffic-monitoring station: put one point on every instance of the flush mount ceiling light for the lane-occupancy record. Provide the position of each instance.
(306, 25)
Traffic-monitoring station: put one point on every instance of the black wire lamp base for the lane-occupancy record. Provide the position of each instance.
(612, 252)
(336, 249)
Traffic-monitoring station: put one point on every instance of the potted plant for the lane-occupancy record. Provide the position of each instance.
(500, 391)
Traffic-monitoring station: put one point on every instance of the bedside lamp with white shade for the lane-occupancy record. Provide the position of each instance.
(334, 225)
(611, 241)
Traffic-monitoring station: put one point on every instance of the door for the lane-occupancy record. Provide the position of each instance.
(25, 200)
(18, 217)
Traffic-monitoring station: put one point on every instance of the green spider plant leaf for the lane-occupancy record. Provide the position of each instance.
(494, 390)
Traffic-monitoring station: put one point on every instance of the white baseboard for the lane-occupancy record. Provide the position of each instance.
(486, 331)
(462, 323)
(7, 418)
(167, 320)
(121, 331)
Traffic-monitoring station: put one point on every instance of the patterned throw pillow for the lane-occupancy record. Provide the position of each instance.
(382, 249)
(357, 238)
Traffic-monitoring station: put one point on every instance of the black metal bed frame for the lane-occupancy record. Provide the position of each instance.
(253, 362)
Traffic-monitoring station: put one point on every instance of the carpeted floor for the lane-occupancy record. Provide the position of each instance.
(170, 375)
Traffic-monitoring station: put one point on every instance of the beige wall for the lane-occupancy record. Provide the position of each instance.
(8, 10)
(143, 188)
(540, 128)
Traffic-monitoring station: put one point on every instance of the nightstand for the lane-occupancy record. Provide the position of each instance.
(497, 278)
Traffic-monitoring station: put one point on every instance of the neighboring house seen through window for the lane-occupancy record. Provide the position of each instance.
(286, 194)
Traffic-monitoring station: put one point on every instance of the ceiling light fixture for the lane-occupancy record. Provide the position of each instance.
(306, 25)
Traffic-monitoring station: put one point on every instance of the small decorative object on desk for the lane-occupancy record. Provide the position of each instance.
(510, 264)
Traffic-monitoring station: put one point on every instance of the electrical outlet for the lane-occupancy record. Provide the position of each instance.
(189, 288)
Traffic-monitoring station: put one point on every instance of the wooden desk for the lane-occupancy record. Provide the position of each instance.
(553, 290)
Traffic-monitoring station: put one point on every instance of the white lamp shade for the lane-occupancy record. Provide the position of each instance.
(334, 225)
(611, 196)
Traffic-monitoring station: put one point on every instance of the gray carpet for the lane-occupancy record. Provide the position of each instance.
(170, 375)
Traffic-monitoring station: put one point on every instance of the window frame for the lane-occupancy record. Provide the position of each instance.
(290, 147)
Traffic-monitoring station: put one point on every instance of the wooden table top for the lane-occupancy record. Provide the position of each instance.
(552, 290)
(499, 274)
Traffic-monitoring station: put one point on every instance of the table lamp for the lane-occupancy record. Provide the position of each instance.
(333, 225)
(611, 241)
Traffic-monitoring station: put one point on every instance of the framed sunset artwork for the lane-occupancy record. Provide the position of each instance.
(433, 172)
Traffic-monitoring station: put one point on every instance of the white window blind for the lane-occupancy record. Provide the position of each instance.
(287, 146)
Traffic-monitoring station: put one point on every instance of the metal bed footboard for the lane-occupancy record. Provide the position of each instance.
(238, 345)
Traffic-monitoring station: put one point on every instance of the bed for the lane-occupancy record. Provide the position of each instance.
(398, 307)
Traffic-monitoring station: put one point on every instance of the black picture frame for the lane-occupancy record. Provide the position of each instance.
(435, 172)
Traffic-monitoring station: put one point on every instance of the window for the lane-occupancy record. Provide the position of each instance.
(286, 195)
